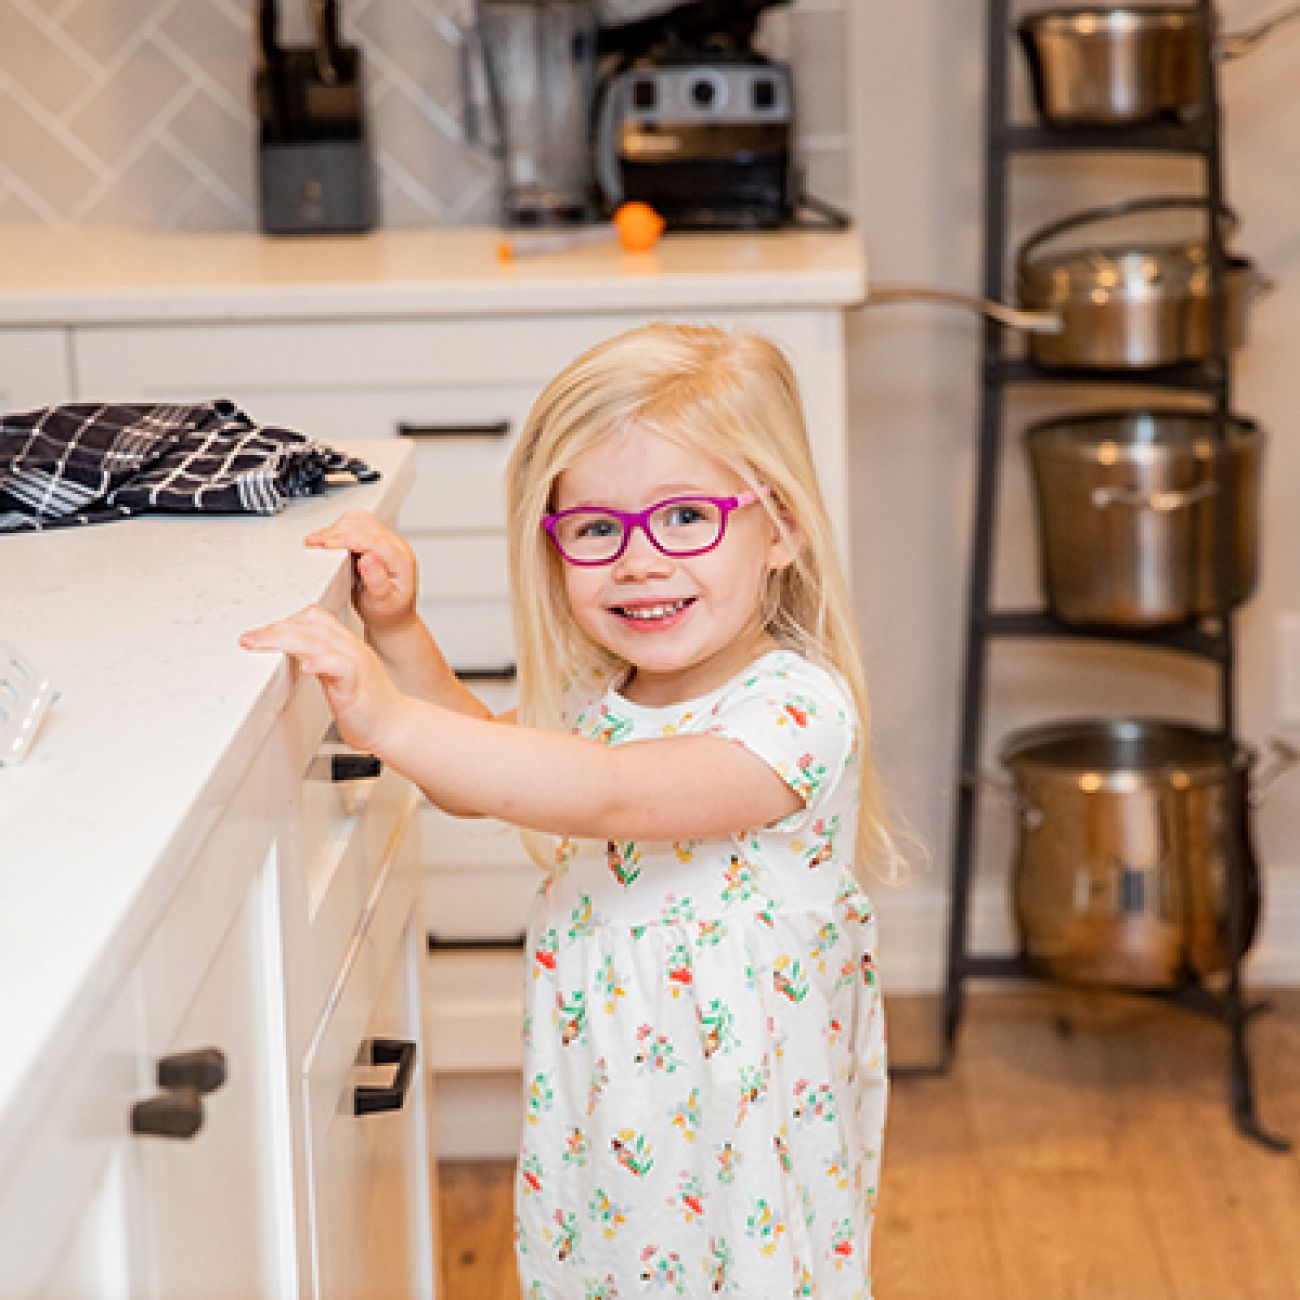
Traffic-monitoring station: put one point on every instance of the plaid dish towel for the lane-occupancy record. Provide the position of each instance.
(87, 463)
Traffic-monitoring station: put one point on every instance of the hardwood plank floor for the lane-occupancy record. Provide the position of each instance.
(1080, 1149)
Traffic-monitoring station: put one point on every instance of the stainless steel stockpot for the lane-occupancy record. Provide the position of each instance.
(1135, 305)
(1125, 503)
(1122, 873)
(1109, 65)
(1125, 64)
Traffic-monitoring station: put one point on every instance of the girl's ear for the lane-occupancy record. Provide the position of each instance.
(786, 541)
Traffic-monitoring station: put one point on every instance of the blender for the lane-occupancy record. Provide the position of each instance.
(538, 71)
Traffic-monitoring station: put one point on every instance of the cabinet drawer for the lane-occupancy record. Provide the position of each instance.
(367, 1173)
(461, 568)
(475, 1009)
(460, 460)
(323, 358)
(478, 904)
(449, 841)
(475, 635)
(350, 830)
(34, 368)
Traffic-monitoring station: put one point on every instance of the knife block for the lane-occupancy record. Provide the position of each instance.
(316, 173)
(316, 186)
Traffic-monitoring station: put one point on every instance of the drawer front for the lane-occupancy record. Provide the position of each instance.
(476, 636)
(472, 905)
(460, 842)
(369, 1189)
(479, 882)
(461, 568)
(474, 1013)
(178, 362)
(34, 368)
(351, 829)
(462, 442)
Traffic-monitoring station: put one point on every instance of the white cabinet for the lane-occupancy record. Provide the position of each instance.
(459, 390)
(210, 1201)
(365, 1099)
(35, 368)
(292, 944)
(71, 1209)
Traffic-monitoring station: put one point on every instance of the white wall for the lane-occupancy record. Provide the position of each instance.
(917, 108)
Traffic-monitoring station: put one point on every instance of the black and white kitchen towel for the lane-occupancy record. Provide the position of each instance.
(87, 463)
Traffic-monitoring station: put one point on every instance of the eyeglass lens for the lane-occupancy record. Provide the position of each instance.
(677, 527)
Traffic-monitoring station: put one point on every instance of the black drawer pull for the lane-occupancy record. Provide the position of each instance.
(177, 1111)
(506, 673)
(341, 768)
(459, 429)
(369, 1099)
(505, 943)
(203, 1070)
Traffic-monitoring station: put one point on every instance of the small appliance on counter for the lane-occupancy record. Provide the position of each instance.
(315, 167)
(694, 121)
(537, 62)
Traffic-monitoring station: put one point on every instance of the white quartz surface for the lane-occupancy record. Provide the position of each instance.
(160, 711)
(88, 275)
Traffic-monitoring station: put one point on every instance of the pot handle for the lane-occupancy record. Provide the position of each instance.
(1260, 285)
(1284, 756)
(1016, 318)
(1161, 502)
(989, 783)
(1236, 44)
(1111, 212)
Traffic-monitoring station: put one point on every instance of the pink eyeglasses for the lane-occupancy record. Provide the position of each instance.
(677, 526)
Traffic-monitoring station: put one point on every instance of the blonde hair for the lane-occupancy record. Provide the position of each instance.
(734, 397)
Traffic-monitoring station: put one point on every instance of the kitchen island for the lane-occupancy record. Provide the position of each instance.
(174, 876)
(427, 338)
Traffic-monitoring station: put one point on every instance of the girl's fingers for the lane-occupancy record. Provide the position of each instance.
(354, 531)
(301, 633)
(375, 576)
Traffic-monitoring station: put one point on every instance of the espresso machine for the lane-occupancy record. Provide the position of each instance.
(534, 64)
(692, 119)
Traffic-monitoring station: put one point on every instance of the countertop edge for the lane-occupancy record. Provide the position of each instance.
(39, 1057)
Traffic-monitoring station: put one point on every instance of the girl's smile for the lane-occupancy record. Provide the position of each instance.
(685, 624)
(654, 615)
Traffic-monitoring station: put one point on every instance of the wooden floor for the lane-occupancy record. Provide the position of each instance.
(1080, 1149)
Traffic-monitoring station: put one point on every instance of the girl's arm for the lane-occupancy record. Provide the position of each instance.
(384, 594)
(683, 787)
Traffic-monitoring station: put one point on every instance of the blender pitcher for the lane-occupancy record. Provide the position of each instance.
(538, 60)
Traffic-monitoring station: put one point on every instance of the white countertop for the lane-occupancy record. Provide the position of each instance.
(160, 711)
(93, 275)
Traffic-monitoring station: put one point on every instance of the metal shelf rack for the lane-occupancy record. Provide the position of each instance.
(1210, 639)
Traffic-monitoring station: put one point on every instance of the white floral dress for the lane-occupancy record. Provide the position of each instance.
(705, 1077)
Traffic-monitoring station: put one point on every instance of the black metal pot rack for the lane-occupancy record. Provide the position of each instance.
(1210, 639)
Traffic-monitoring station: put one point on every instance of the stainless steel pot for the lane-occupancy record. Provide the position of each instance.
(1122, 873)
(1124, 65)
(1125, 504)
(1136, 305)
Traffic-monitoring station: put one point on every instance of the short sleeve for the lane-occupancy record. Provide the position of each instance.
(801, 724)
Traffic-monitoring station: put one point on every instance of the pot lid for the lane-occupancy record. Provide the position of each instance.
(1138, 433)
(1108, 20)
(1118, 754)
(1131, 270)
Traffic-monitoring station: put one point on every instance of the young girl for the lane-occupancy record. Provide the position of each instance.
(705, 1075)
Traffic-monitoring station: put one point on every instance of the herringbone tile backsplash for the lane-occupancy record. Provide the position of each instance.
(138, 113)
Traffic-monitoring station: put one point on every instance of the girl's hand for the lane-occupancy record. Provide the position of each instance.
(360, 693)
(385, 587)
